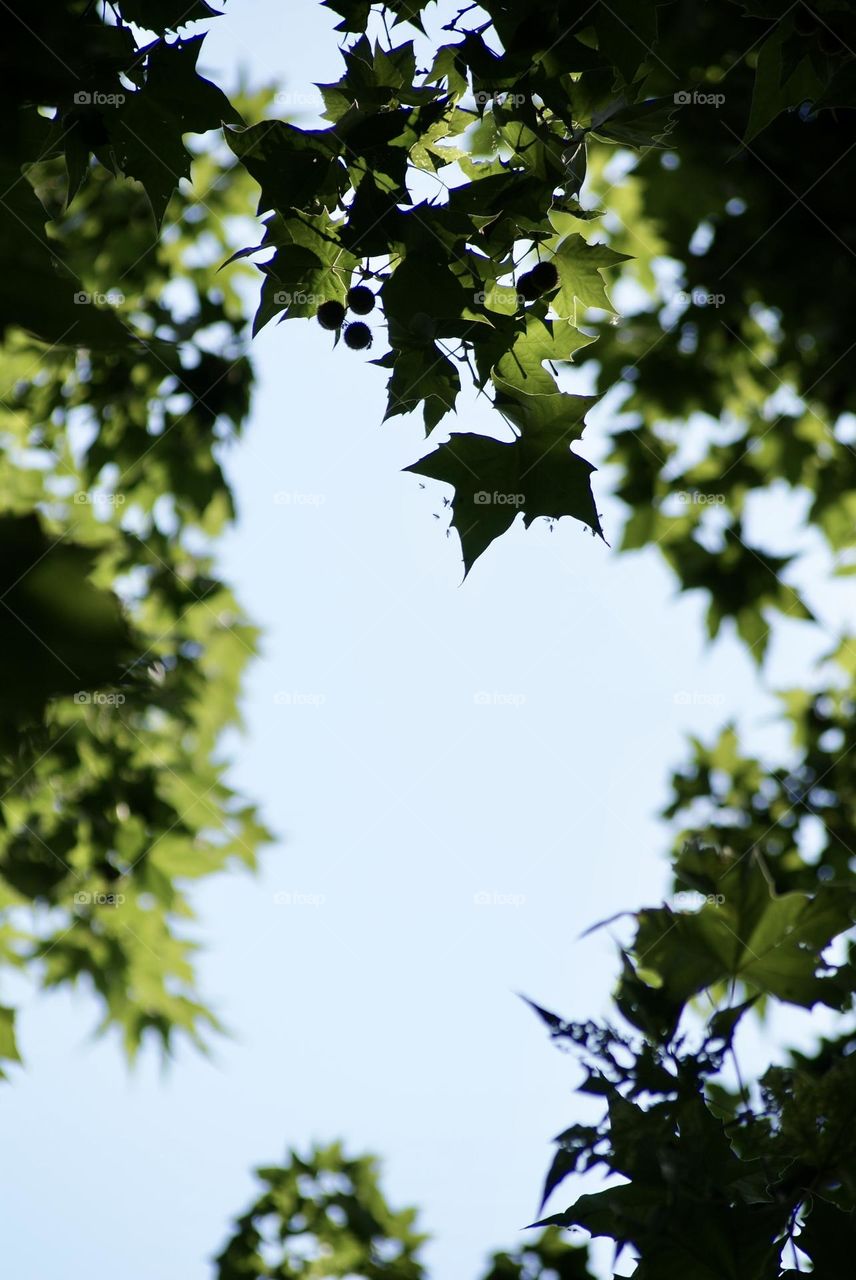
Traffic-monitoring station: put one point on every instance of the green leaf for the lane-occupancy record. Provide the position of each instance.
(60, 634)
(36, 292)
(769, 942)
(147, 129)
(641, 124)
(295, 168)
(581, 266)
(421, 375)
(520, 374)
(626, 34)
(771, 95)
(723, 1024)
(537, 475)
(8, 1043)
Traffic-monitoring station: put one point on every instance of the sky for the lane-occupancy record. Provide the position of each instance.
(462, 779)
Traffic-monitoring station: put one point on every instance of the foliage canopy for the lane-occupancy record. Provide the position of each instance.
(487, 180)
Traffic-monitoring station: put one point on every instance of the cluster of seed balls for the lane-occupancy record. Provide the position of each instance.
(331, 315)
(358, 336)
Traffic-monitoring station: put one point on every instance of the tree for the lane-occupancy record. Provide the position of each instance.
(125, 380)
(324, 1214)
(717, 139)
(501, 275)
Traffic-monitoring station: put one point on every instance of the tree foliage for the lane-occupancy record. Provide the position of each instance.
(701, 131)
(124, 381)
(324, 1215)
(441, 186)
(722, 1173)
(480, 187)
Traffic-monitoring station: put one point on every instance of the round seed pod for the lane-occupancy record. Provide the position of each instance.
(527, 287)
(544, 277)
(330, 315)
(360, 300)
(358, 336)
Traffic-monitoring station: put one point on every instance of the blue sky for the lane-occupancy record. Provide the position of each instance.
(462, 779)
